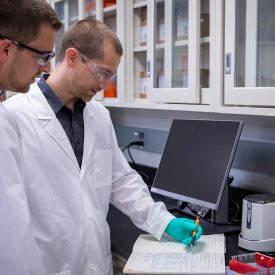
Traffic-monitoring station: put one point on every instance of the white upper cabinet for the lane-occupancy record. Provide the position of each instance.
(197, 55)
(249, 71)
(167, 45)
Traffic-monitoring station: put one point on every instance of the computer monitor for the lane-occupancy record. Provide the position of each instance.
(196, 161)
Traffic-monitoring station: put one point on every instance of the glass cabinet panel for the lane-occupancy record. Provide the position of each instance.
(171, 61)
(73, 11)
(140, 51)
(180, 44)
(175, 51)
(109, 14)
(266, 44)
(159, 75)
(136, 51)
(110, 19)
(262, 71)
(249, 66)
(205, 45)
(67, 11)
(90, 9)
(60, 9)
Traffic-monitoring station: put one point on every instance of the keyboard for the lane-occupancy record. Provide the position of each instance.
(201, 210)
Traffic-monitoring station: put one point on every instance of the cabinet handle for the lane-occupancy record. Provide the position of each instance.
(148, 68)
(227, 62)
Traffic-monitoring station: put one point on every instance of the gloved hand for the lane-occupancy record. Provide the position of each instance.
(181, 230)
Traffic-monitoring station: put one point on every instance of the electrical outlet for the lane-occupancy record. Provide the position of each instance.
(154, 140)
(128, 134)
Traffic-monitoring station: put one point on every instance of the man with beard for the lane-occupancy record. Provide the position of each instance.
(27, 33)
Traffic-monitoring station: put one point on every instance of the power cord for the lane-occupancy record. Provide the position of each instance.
(138, 143)
(237, 211)
(144, 176)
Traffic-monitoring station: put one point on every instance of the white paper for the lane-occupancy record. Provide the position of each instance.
(150, 256)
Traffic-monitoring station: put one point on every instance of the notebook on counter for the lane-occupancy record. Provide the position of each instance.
(150, 256)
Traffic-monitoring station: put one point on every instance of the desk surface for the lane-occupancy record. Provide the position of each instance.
(124, 233)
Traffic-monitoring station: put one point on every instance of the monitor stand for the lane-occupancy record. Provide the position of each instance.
(215, 220)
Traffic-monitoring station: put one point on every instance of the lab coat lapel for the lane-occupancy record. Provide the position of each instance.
(56, 131)
(89, 136)
(51, 124)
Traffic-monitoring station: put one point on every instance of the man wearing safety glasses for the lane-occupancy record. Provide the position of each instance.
(21, 62)
(72, 163)
(43, 57)
(27, 33)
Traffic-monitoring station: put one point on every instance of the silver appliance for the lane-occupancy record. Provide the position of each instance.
(258, 223)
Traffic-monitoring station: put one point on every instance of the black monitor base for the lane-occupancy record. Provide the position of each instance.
(208, 227)
(218, 216)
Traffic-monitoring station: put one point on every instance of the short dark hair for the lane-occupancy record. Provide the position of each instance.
(88, 36)
(21, 20)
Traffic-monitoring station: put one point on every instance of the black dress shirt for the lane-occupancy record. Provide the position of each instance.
(71, 121)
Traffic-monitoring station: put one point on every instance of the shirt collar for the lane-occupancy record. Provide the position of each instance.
(55, 103)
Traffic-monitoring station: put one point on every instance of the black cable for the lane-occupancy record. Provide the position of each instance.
(136, 167)
(236, 213)
(138, 143)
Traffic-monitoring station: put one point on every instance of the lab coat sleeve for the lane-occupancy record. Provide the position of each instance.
(131, 195)
(18, 250)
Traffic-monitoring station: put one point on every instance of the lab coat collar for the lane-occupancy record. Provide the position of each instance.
(39, 103)
(51, 124)
(90, 108)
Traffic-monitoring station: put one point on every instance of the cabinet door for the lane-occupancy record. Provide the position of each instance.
(88, 9)
(249, 72)
(174, 51)
(136, 50)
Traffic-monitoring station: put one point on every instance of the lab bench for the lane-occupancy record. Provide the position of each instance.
(124, 233)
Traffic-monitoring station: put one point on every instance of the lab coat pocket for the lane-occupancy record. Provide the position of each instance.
(68, 272)
(103, 168)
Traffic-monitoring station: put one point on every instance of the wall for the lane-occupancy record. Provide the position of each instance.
(254, 163)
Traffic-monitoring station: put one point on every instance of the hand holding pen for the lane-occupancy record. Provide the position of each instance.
(197, 222)
(181, 230)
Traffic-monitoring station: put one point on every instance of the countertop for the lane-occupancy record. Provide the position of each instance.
(124, 233)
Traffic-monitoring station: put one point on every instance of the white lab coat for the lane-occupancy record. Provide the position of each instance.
(19, 254)
(68, 205)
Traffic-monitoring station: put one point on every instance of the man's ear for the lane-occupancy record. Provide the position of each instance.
(72, 56)
(5, 48)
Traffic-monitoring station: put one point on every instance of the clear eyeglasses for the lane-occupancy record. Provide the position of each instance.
(102, 74)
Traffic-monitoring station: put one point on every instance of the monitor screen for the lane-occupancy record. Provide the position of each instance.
(196, 160)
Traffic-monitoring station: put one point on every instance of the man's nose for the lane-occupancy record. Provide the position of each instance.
(46, 68)
(105, 84)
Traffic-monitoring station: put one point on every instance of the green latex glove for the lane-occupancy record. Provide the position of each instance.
(181, 229)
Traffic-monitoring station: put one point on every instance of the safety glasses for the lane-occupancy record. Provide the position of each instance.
(44, 57)
(102, 74)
